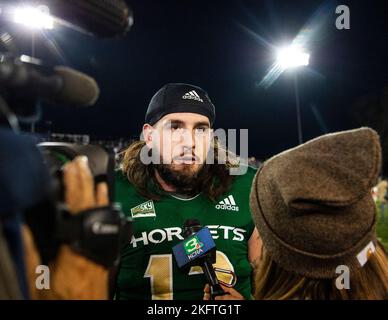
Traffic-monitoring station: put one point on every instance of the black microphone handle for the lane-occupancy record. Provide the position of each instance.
(209, 272)
(215, 287)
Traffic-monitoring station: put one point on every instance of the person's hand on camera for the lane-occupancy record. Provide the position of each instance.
(72, 276)
(77, 277)
(79, 187)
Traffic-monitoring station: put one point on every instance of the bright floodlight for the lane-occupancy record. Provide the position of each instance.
(35, 18)
(291, 57)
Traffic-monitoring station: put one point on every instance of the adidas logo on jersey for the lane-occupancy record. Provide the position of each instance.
(192, 95)
(227, 204)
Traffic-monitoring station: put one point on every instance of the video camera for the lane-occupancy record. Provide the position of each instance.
(97, 233)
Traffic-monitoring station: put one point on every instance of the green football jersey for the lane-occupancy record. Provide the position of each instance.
(148, 268)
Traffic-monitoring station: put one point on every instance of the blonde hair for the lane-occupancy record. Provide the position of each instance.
(370, 282)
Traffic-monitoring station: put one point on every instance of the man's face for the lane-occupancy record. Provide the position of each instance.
(182, 140)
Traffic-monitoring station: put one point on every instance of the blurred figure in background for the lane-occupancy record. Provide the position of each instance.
(382, 196)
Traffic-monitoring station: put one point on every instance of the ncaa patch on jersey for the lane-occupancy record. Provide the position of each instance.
(146, 209)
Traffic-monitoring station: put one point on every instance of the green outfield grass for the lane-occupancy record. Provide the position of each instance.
(382, 227)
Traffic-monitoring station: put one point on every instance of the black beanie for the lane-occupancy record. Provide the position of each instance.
(179, 97)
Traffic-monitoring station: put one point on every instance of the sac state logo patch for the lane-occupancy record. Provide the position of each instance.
(146, 209)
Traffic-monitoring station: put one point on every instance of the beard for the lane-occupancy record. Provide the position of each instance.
(186, 179)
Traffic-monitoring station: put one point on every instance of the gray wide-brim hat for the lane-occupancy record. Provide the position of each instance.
(312, 204)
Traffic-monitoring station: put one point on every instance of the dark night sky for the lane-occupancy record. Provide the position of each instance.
(206, 43)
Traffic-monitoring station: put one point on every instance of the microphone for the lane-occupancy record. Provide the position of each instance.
(102, 18)
(58, 85)
(198, 249)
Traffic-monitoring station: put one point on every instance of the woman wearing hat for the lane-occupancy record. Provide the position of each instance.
(314, 211)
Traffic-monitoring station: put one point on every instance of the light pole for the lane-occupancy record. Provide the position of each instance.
(297, 103)
(293, 57)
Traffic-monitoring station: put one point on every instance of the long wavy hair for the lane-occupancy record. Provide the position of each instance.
(370, 282)
(213, 182)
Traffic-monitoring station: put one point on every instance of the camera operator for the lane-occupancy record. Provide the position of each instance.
(52, 218)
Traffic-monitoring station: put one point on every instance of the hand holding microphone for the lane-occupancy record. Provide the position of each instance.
(231, 294)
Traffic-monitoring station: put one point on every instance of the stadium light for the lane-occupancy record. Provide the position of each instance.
(292, 57)
(34, 17)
